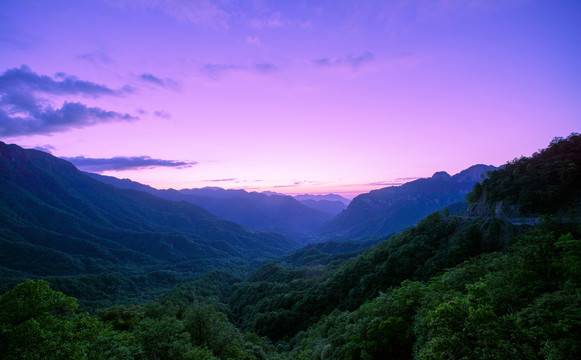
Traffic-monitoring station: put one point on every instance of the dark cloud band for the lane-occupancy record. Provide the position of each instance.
(23, 79)
(23, 112)
(120, 163)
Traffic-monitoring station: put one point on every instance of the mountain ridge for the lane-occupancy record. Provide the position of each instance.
(55, 220)
(390, 209)
(263, 212)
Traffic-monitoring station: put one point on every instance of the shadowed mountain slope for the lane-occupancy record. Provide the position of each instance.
(55, 220)
(331, 208)
(392, 209)
(277, 213)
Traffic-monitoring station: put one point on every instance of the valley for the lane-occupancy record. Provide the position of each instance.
(165, 278)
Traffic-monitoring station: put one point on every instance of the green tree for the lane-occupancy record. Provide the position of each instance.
(211, 329)
(571, 263)
(164, 338)
(37, 322)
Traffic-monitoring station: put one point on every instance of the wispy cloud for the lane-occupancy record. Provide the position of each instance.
(353, 61)
(221, 180)
(299, 183)
(272, 20)
(15, 42)
(45, 148)
(276, 20)
(206, 14)
(22, 112)
(216, 71)
(96, 57)
(253, 40)
(265, 67)
(287, 185)
(162, 114)
(357, 61)
(152, 79)
(394, 182)
(120, 163)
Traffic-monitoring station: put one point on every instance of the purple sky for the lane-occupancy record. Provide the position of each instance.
(289, 96)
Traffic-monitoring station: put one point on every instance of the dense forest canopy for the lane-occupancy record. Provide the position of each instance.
(541, 184)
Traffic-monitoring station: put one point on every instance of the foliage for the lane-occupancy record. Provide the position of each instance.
(37, 322)
(278, 301)
(546, 182)
(449, 288)
(493, 306)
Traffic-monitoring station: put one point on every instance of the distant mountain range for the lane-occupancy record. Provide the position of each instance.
(262, 211)
(331, 204)
(56, 220)
(328, 197)
(391, 209)
(315, 218)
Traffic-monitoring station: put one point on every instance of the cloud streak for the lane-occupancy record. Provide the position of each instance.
(352, 61)
(22, 112)
(154, 80)
(299, 183)
(394, 182)
(48, 120)
(216, 71)
(45, 148)
(23, 79)
(96, 57)
(276, 20)
(120, 163)
(162, 114)
(221, 180)
(203, 13)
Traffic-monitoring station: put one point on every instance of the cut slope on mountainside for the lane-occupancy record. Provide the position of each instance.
(55, 220)
(388, 210)
(276, 213)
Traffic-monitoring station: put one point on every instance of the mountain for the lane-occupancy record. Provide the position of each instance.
(391, 209)
(448, 287)
(327, 197)
(331, 208)
(331, 204)
(546, 183)
(273, 212)
(56, 220)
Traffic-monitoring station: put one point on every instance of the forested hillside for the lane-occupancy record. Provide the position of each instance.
(452, 287)
(56, 221)
(546, 183)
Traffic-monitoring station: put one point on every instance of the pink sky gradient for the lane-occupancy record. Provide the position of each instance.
(298, 97)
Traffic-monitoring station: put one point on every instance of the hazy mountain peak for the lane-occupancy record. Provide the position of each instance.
(441, 175)
(474, 173)
(271, 193)
(328, 197)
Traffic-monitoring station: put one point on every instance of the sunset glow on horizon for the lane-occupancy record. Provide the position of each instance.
(292, 97)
